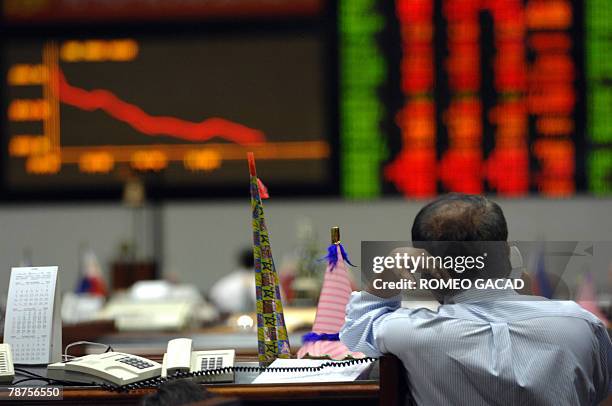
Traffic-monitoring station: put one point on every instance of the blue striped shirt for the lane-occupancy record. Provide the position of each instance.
(487, 348)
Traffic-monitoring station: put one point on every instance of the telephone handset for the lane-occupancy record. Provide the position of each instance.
(110, 367)
(179, 357)
(7, 371)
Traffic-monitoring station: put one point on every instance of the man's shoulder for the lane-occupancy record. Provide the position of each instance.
(520, 309)
(532, 307)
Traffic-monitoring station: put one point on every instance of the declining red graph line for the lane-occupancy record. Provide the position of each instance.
(100, 99)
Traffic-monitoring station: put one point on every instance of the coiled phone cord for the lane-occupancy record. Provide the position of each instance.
(155, 382)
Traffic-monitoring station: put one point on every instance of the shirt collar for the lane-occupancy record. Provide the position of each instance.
(481, 295)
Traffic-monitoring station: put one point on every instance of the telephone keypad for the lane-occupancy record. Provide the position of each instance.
(212, 363)
(135, 362)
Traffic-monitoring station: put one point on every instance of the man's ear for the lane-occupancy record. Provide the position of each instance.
(514, 261)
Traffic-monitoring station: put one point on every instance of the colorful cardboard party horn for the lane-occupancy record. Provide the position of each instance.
(324, 339)
(272, 338)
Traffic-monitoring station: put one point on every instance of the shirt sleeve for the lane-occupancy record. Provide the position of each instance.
(604, 373)
(363, 326)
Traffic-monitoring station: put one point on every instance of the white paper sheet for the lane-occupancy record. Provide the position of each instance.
(32, 319)
(329, 374)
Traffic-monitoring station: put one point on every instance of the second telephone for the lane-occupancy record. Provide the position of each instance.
(179, 357)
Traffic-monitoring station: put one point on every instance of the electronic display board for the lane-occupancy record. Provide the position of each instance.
(510, 97)
(187, 109)
(352, 97)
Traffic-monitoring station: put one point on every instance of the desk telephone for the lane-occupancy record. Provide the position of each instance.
(115, 368)
(180, 358)
(119, 369)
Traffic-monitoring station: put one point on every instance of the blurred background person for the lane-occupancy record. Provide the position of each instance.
(235, 292)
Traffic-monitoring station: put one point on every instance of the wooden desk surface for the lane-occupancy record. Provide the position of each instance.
(354, 393)
(359, 392)
(337, 394)
(152, 345)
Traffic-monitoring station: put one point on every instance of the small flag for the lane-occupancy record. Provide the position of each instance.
(587, 298)
(91, 280)
(542, 285)
(263, 190)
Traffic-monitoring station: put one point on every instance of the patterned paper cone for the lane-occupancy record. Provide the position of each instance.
(272, 338)
(323, 342)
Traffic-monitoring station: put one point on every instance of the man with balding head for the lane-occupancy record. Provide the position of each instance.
(482, 346)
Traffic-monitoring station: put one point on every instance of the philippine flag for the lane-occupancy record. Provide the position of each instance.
(91, 281)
